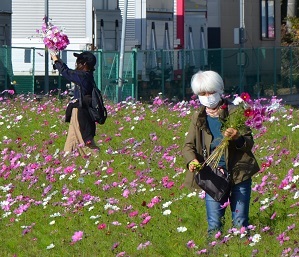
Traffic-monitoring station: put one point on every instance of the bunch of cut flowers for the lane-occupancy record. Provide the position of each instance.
(246, 114)
(53, 37)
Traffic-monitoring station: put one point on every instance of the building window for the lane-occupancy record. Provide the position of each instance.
(267, 19)
(27, 56)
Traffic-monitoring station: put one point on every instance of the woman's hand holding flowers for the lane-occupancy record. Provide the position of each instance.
(54, 57)
(194, 165)
(231, 133)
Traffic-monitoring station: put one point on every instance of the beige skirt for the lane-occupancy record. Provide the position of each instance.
(74, 139)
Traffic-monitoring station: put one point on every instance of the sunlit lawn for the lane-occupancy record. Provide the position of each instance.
(129, 200)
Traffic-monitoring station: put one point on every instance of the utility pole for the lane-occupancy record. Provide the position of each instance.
(242, 41)
(121, 55)
(46, 85)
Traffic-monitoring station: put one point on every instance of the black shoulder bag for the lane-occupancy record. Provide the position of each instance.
(215, 182)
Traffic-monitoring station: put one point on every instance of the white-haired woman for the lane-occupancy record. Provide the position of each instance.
(205, 133)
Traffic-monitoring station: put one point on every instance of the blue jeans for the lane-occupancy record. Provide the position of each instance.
(239, 204)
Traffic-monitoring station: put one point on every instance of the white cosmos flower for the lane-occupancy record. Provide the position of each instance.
(72, 176)
(296, 195)
(6, 214)
(238, 100)
(62, 176)
(95, 217)
(87, 203)
(52, 222)
(50, 246)
(57, 214)
(4, 203)
(296, 164)
(295, 178)
(181, 229)
(167, 212)
(165, 205)
(295, 127)
(191, 194)
(256, 238)
(265, 201)
(287, 187)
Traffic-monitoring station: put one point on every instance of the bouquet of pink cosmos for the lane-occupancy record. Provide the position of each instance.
(245, 114)
(53, 37)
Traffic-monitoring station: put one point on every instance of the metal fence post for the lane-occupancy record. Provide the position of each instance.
(259, 89)
(33, 70)
(6, 69)
(275, 73)
(134, 74)
(162, 72)
(291, 68)
(241, 86)
(100, 69)
(183, 54)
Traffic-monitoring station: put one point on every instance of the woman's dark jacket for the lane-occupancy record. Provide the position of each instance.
(84, 81)
(239, 159)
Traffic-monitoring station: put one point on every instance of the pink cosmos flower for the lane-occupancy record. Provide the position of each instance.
(218, 234)
(225, 204)
(273, 216)
(53, 37)
(242, 230)
(126, 193)
(121, 254)
(266, 229)
(102, 226)
(203, 251)
(282, 238)
(191, 244)
(133, 213)
(77, 236)
(291, 227)
(115, 245)
(131, 225)
(69, 169)
(146, 220)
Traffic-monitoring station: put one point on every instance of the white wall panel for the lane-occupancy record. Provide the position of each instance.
(28, 16)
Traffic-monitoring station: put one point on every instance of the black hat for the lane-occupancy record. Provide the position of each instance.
(87, 57)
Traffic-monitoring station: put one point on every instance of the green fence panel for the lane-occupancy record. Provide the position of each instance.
(146, 74)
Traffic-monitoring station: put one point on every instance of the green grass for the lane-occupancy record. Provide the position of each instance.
(129, 160)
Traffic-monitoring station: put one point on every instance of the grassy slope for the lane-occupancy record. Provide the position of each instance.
(131, 159)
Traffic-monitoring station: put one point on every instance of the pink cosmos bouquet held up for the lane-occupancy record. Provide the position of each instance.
(53, 37)
(247, 113)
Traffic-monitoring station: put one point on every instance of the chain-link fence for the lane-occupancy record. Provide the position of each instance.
(260, 71)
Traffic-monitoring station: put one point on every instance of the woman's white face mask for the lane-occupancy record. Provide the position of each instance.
(210, 101)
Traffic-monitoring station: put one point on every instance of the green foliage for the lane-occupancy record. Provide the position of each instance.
(290, 32)
(236, 120)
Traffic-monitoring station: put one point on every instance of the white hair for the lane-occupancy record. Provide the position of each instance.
(207, 81)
